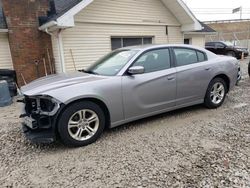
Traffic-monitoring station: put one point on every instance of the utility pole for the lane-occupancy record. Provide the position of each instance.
(241, 13)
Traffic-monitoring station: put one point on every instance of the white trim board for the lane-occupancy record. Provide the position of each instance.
(67, 19)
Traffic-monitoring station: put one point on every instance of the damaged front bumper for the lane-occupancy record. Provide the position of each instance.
(39, 116)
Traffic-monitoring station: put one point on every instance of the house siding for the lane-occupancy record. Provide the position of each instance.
(90, 39)
(175, 36)
(89, 42)
(5, 55)
(150, 12)
(196, 40)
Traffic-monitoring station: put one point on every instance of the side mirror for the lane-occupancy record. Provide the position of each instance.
(136, 70)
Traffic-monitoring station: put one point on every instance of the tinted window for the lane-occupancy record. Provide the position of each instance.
(219, 45)
(154, 60)
(185, 56)
(201, 56)
(211, 44)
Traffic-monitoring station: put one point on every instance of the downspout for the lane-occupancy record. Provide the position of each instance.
(60, 46)
(47, 31)
(61, 51)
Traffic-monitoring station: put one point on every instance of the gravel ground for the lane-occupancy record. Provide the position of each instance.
(192, 147)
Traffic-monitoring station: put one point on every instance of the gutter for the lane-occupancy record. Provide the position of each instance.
(47, 25)
(4, 30)
(197, 25)
(200, 33)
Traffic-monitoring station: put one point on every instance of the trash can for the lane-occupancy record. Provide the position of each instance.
(10, 77)
(5, 98)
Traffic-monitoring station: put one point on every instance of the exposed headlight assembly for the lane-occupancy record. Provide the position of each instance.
(42, 104)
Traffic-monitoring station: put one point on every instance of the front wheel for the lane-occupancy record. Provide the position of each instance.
(81, 124)
(216, 93)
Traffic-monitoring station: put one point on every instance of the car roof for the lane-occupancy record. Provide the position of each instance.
(215, 42)
(155, 46)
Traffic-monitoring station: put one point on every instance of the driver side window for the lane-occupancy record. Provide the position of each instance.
(219, 45)
(154, 60)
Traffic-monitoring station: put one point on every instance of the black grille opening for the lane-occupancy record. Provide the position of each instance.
(46, 105)
(30, 105)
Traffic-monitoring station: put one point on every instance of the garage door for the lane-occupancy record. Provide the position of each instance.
(5, 56)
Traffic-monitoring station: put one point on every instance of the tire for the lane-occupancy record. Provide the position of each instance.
(231, 53)
(249, 68)
(211, 95)
(81, 131)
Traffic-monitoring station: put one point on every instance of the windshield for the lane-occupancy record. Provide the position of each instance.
(111, 64)
(228, 43)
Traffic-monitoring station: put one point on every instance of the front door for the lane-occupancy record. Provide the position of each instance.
(153, 91)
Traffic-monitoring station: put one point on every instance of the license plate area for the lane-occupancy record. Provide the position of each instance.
(30, 122)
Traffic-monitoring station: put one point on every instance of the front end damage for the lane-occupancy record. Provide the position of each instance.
(39, 116)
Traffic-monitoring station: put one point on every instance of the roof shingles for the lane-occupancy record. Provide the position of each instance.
(206, 29)
(3, 24)
(58, 8)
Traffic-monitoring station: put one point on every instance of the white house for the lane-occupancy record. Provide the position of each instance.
(5, 55)
(82, 31)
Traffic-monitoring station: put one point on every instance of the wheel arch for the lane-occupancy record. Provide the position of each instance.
(97, 101)
(225, 78)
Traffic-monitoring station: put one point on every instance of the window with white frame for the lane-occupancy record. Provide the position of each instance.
(120, 42)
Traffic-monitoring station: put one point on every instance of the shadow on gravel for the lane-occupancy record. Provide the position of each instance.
(58, 146)
(176, 113)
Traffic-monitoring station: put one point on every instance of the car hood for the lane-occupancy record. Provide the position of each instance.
(240, 47)
(46, 84)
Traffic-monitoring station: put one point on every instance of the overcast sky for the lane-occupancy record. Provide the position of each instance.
(208, 10)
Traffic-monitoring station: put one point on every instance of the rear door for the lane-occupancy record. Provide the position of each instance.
(193, 75)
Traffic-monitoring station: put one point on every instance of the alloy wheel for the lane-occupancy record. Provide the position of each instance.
(217, 93)
(83, 125)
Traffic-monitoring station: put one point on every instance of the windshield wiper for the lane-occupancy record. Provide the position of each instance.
(89, 72)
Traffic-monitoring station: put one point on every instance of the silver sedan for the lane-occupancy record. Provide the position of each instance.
(126, 85)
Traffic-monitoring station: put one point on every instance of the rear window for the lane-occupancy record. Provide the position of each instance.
(201, 56)
(185, 56)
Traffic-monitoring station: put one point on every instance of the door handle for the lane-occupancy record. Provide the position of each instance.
(208, 69)
(171, 77)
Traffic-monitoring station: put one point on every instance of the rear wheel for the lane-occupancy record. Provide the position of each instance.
(216, 93)
(81, 124)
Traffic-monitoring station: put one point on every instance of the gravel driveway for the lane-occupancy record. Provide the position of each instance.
(192, 147)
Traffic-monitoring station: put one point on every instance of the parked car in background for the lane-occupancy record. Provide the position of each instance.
(226, 48)
(126, 85)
